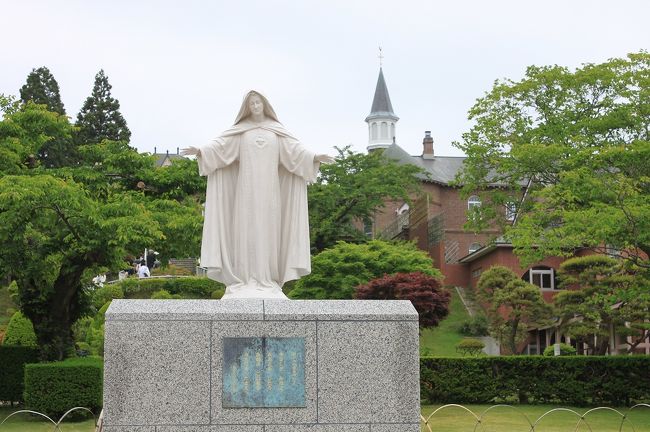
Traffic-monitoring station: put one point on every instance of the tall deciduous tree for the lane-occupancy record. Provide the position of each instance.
(580, 141)
(352, 189)
(61, 227)
(514, 306)
(41, 88)
(100, 116)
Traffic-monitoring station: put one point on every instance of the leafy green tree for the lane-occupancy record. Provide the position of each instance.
(592, 306)
(55, 238)
(25, 132)
(572, 149)
(100, 118)
(338, 270)
(8, 104)
(354, 188)
(41, 88)
(513, 306)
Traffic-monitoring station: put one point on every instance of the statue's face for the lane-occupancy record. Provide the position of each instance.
(256, 105)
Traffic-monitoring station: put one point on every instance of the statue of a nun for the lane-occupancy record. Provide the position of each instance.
(256, 227)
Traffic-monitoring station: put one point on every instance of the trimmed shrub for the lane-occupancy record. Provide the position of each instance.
(475, 326)
(185, 287)
(424, 291)
(54, 388)
(565, 350)
(470, 346)
(164, 295)
(106, 293)
(20, 331)
(12, 371)
(571, 380)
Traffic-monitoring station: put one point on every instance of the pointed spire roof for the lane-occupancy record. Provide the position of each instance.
(381, 106)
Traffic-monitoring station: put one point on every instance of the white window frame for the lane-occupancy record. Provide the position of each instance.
(541, 272)
(470, 247)
(473, 201)
(511, 211)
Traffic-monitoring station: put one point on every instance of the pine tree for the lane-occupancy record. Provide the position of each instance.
(42, 88)
(100, 117)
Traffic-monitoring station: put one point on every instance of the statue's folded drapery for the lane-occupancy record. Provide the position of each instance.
(256, 226)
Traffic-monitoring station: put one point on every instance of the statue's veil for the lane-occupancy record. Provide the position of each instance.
(245, 111)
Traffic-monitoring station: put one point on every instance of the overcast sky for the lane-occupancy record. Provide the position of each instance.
(181, 68)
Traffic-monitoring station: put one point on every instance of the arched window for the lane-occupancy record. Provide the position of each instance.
(373, 130)
(384, 130)
(541, 276)
(392, 130)
(474, 247)
(473, 201)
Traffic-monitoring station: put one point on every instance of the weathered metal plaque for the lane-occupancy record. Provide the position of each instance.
(264, 372)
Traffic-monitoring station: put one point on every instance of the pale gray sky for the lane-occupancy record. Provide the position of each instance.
(181, 68)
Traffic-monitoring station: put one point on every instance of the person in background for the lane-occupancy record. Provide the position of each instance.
(143, 271)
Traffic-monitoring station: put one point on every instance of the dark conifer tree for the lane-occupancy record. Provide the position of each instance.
(42, 88)
(100, 118)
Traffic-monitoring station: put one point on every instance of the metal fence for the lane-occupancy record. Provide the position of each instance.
(433, 422)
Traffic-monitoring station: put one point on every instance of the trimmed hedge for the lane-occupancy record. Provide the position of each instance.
(574, 380)
(186, 287)
(54, 388)
(12, 370)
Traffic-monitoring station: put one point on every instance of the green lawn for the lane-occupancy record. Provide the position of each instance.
(441, 341)
(506, 419)
(28, 423)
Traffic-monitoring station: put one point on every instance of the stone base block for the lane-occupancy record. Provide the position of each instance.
(221, 366)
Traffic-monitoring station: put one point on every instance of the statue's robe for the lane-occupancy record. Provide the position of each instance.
(256, 226)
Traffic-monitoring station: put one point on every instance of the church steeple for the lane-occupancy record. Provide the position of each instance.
(381, 120)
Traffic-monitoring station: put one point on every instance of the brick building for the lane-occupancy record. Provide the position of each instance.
(435, 222)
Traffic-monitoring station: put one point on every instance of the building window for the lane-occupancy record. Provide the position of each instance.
(392, 130)
(476, 273)
(384, 130)
(374, 131)
(511, 211)
(474, 247)
(543, 277)
(472, 202)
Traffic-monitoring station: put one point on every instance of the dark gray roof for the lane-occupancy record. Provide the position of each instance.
(440, 169)
(381, 105)
(162, 157)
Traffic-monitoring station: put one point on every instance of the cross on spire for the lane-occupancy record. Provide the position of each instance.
(381, 57)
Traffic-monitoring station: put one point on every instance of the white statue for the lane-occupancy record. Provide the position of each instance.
(256, 227)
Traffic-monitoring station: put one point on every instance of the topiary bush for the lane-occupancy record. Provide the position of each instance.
(470, 346)
(337, 271)
(164, 295)
(54, 388)
(571, 380)
(565, 350)
(12, 371)
(20, 331)
(424, 291)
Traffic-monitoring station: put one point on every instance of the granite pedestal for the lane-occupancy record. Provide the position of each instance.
(173, 365)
